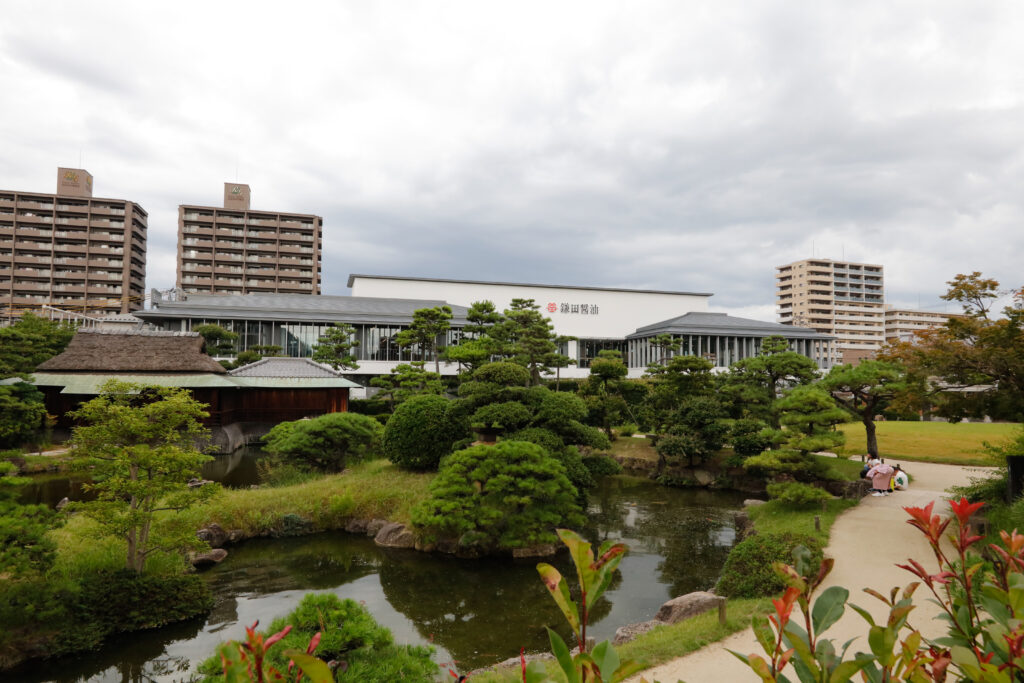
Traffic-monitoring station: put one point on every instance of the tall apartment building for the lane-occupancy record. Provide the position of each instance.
(234, 250)
(839, 298)
(902, 323)
(70, 250)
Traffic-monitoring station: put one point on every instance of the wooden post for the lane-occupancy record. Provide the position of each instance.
(817, 523)
(721, 611)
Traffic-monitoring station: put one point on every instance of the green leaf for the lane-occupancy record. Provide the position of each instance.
(882, 640)
(561, 652)
(315, 669)
(606, 658)
(764, 633)
(845, 671)
(828, 608)
(536, 673)
(864, 613)
(559, 590)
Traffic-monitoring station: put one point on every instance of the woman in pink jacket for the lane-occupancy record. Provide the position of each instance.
(880, 475)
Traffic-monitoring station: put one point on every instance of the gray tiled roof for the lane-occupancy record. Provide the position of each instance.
(722, 323)
(297, 307)
(353, 276)
(284, 367)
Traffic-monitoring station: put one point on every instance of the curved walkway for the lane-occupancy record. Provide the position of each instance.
(867, 542)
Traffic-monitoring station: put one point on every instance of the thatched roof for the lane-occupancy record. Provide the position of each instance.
(133, 351)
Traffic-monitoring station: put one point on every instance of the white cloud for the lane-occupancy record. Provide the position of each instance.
(689, 146)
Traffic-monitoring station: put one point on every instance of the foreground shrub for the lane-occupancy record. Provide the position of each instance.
(46, 617)
(347, 634)
(796, 495)
(326, 443)
(748, 569)
(421, 432)
(981, 603)
(509, 495)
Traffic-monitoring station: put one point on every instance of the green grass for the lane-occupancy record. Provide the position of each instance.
(633, 447)
(775, 518)
(942, 442)
(372, 490)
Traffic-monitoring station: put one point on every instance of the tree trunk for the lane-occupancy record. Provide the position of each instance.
(869, 429)
(437, 359)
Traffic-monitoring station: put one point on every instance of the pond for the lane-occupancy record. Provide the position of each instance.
(475, 612)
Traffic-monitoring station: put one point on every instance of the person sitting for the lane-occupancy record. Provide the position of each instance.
(900, 480)
(880, 475)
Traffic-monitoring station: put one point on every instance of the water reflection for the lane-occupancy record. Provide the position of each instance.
(476, 612)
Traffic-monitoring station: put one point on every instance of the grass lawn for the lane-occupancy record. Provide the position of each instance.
(942, 442)
(633, 447)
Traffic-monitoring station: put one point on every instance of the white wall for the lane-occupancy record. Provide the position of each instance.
(619, 313)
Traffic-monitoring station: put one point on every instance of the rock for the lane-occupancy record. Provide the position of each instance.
(235, 535)
(626, 633)
(743, 525)
(63, 503)
(374, 526)
(449, 546)
(213, 534)
(703, 477)
(356, 526)
(686, 606)
(424, 546)
(395, 535)
(215, 556)
(543, 550)
(196, 483)
(753, 502)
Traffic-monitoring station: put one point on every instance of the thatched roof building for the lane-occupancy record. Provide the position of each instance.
(263, 393)
(134, 351)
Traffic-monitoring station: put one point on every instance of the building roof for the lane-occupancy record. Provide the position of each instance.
(353, 276)
(285, 367)
(295, 307)
(722, 323)
(240, 210)
(133, 351)
(90, 383)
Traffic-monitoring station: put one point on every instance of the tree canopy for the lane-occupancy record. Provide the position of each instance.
(335, 346)
(29, 342)
(427, 325)
(865, 390)
(139, 442)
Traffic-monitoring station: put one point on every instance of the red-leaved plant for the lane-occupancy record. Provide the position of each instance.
(982, 604)
(244, 662)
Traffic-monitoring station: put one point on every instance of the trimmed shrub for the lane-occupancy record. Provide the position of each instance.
(748, 570)
(508, 415)
(628, 429)
(802, 467)
(747, 437)
(325, 443)
(421, 432)
(510, 495)
(796, 495)
(349, 634)
(127, 601)
(601, 466)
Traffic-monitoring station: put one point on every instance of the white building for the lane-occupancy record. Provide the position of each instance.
(382, 306)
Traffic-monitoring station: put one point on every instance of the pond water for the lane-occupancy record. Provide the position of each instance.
(475, 612)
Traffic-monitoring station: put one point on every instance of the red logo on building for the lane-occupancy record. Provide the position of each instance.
(552, 308)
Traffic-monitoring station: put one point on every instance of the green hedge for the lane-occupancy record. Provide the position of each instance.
(748, 570)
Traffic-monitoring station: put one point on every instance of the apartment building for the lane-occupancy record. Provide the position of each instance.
(901, 324)
(839, 298)
(235, 250)
(70, 250)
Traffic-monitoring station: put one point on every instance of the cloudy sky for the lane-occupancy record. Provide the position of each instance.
(669, 145)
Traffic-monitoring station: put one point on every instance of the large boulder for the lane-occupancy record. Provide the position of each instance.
(215, 556)
(356, 526)
(626, 633)
(686, 606)
(395, 535)
(374, 526)
(213, 534)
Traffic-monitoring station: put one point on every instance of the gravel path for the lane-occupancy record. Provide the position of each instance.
(867, 542)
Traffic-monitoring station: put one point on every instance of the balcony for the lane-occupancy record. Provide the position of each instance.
(28, 204)
(229, 232)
